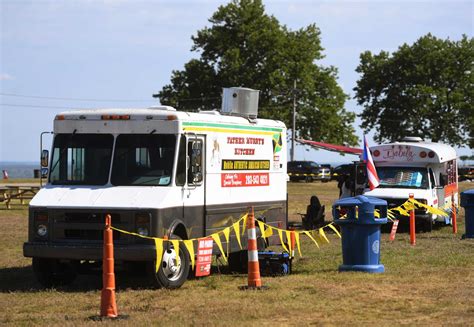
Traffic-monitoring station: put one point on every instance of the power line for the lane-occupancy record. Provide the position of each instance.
(33, 106)
(73, 99)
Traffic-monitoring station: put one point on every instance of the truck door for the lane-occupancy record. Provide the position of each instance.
(441, 183)
(192, 178)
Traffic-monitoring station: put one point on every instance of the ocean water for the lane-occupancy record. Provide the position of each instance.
(18, 169)
(26, 169)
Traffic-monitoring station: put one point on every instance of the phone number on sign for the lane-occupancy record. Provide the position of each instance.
(244, 179)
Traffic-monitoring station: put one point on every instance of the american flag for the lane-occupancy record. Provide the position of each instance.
(371, 171)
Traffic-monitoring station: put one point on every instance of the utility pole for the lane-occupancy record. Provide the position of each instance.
(293, 131)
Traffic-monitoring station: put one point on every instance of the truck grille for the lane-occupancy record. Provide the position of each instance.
(88, 226)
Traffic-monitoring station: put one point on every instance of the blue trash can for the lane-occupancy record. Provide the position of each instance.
(467, 202)
(360, 231)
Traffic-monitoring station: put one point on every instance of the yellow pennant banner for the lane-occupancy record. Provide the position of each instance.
(288, 239)
(331, 225)
(159, 253)
(297, 241)
(217, 239)
(282, 241)
(190, 246)
(244, 223)
(236, 227)
(176, 249)
(308, 233)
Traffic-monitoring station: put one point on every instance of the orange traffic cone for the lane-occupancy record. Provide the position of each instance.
(108, 306)
(254, 280)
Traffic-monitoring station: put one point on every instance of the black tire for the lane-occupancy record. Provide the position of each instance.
(171, 275)
(53, 273)
(428, 225)
(308, 179)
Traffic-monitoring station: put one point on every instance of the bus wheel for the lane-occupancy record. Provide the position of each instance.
(53, 273)
(172, 273)
(428, 225)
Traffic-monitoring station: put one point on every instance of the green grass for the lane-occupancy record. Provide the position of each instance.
(430, 283)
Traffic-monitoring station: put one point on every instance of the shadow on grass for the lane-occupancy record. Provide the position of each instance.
(22, 279)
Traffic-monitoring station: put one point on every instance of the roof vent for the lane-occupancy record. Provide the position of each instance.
(413, 139)
(240, 101)
(168, 108)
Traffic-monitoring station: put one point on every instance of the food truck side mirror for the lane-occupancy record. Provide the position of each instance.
(44, 158)
(195, 164)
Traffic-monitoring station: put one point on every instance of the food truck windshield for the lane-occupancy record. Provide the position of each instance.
(139, 159)
(403, 177)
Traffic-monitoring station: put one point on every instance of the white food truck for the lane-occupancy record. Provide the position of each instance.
(428, 170)
(158, 172)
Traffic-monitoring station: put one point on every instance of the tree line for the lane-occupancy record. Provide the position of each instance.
(424, 89)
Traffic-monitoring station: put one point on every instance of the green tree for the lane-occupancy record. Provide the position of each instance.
(425, 90)
(246, 47)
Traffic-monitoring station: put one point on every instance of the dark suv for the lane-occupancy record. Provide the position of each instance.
(303, 170)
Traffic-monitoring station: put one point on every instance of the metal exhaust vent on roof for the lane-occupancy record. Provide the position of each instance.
(240, 101)
(414, 139)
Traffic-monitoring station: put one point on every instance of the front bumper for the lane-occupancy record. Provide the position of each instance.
(70, 251)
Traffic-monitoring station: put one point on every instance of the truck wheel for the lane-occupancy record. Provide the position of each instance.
(309, 179)
(53, 273)
(171, 273)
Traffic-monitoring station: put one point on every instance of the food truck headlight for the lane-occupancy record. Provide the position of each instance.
(142, 223)
(143, 231)
(42, 230)
(423, 154)
(431, 154)
(376, 153)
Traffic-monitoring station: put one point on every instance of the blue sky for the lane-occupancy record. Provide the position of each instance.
(126, 50)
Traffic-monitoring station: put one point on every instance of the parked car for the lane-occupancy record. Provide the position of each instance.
(324, 173)
(303, 170)
(345, 169)
(465, 173)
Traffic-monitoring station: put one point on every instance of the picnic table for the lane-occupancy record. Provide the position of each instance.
(20, 192)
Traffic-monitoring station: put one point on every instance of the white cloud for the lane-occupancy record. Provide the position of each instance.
(5, 77)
